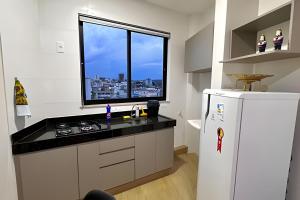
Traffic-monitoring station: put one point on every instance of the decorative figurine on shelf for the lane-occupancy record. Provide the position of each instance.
(262, 43)
(278, 40)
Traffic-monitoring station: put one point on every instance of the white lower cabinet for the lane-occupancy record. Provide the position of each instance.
(164, 149)
(116, 175)
(124, 159)
(58, 174)
(145, 154)
(105, 164)
(48, 175)
(154, 152)
(108, 159)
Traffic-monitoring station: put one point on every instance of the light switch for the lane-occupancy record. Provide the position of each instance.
(60, 47)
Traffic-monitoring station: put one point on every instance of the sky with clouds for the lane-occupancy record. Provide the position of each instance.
(105, 53)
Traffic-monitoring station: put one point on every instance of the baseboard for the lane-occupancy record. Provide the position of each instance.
(181, 150)
(139, 182)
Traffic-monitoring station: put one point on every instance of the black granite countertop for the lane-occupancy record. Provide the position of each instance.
(42, 135)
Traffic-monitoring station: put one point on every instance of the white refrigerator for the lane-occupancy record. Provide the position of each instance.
(245, 145)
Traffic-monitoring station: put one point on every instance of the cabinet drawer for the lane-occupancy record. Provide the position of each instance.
(116, 157)
(116, 175)
(116, 144)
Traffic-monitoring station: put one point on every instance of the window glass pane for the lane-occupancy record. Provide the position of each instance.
(105, 59)
(146, 65)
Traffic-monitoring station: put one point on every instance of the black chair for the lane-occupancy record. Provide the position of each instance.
(98, 195)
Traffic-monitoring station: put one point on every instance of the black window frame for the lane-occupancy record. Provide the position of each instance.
(129, 90)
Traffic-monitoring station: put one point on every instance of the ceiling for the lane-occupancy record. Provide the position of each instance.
(184, 6)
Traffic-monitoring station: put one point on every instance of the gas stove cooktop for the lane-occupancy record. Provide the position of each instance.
(76, 128)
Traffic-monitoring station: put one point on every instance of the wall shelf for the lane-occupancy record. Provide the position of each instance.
(263, 57)
(243, 47)
(274, 17)
(202, 70)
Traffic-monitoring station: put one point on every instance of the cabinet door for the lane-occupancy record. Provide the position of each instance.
(112, 168)
(88, 167)
(48, 175)
(164, 149)
(145, 154)
(199, 49)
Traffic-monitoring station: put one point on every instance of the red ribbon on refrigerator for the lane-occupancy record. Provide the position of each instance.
(220, 133)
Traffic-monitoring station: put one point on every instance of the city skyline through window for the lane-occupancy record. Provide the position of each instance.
(121, 65)
(147, 65)
(105, 57)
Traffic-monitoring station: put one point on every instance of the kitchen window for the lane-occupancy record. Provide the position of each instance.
(121, 62)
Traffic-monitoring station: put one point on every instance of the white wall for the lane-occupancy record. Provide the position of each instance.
(29, 31)
(7, 174)
(64, 69)
(52, 80)
(19, 33)
(229, 14)
(196, 82)
(200, 20)
(219, 43)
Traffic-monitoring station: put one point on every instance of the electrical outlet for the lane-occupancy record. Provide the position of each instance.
(60, 47)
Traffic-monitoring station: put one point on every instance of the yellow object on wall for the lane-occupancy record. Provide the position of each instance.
(21, 98)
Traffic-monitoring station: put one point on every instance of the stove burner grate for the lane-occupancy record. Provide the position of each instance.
(75, 128)
(87, 128)
(63, 131)
(84, 123)
(62, 126)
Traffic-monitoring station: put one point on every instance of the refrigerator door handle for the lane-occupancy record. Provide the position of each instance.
(207, 111)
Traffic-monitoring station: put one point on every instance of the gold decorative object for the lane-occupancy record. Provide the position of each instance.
(248, 79)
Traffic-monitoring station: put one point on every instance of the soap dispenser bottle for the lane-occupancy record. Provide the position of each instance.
(108, 113)
(137, 112)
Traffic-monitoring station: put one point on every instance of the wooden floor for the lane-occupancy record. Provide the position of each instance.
(180, 185)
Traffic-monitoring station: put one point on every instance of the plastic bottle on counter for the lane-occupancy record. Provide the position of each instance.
(108, 113)
(137, 112)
